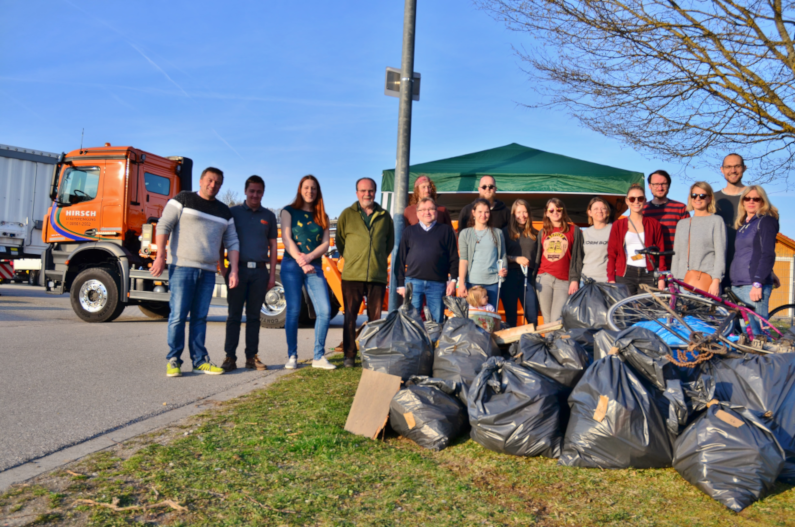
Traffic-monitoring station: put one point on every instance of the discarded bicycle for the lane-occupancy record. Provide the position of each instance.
(694, 323)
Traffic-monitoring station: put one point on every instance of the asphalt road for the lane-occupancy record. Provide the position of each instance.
(64, 381)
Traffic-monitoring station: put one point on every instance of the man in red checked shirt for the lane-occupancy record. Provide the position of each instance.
(666, 211)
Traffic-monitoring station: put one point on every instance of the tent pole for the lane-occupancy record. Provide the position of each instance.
(404, 138)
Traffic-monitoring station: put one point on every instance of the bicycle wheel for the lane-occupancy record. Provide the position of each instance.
(779, 309)
(644, 308)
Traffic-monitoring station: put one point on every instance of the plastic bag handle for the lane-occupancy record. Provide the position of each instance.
(459, 309)
(407, 296)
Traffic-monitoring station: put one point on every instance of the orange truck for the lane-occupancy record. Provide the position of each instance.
(100, 232)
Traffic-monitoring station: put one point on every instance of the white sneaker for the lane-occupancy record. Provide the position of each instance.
(323, 364)
(292, 364)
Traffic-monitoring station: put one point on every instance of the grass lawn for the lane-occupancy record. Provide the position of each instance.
(280, 456)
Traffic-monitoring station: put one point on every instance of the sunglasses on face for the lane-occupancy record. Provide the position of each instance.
(555, 211)
(699, 196)
(488, 187)
(749, 198)
(640, 199)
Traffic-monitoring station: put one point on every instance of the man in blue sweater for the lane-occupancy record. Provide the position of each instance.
(428, 260)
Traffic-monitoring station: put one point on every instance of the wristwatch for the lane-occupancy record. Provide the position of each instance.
(757, 285)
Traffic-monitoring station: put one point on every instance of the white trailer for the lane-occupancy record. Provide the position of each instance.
(25, 179)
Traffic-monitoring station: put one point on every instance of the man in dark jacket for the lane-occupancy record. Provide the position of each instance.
(500, 214)
(428, 260)
(365, 238)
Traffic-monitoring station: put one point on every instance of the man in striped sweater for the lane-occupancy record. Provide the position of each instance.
(197, 223)
(666, 211)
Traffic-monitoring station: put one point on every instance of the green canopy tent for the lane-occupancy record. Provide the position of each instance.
(520, 172)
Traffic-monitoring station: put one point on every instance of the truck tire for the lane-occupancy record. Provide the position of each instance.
(95, 295)
(273, 314)
(159, 310)
(33, 278)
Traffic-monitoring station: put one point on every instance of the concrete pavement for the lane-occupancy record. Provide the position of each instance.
(64, 381)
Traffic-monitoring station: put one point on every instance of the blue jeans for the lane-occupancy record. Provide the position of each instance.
(743, 292)
(491, 289)
(191, 292)
(293, 279)
(433, 292)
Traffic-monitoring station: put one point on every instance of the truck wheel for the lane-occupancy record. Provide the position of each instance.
(33, 278)
(273, 312)
(95, 296)
(158, 310)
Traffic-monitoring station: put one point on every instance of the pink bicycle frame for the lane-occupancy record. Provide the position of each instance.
(674, 284)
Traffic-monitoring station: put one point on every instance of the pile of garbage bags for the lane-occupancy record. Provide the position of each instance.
(592, 397)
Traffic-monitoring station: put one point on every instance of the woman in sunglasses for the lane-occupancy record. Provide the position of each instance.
(559, 256)
(700, 242)
(482, 254)
(751, 271)
(629, 235)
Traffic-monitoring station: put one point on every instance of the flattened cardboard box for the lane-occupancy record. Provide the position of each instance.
(370, 409)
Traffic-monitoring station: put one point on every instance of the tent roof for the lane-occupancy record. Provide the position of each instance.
(518, 168)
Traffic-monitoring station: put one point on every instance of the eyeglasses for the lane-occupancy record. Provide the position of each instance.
(555, 211)
(640, 199)
(699, 196)
(489, 187)
(426, 210)
(749, 198)
(659, 185)
(733, 167)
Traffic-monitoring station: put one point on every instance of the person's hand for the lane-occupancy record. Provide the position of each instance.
(450, 288)
(714, 288)
(521, 260)
(661, 283)
(308, 269)
(222, 269)
(234, 279)
(756, 294)
(301, 261)
(157, 267)
(573, 287)
(776, 281)
(461, 292)
(503, 272)
(271, 283)
(609, 282)
(401, 291)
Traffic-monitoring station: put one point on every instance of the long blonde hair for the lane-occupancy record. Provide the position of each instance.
(708, 189)
(767, 208)
(514, 229)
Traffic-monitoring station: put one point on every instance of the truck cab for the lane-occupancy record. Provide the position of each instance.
(104, 199)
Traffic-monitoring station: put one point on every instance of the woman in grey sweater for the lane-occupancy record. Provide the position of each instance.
(700, 242)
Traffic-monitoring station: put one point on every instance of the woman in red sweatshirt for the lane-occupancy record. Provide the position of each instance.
(628, 235)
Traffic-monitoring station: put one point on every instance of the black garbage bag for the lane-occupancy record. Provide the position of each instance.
(584, 336)
(429, 412)
(765, 385)
(463, 346)
(647, 354)
(561, 359)
(433, 328)
(515, 410)
(588, 307)
(603, 342)
(398, 344)
(729, 455)
(615, 420)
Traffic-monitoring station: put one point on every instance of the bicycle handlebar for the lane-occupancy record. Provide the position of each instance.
(655, 251)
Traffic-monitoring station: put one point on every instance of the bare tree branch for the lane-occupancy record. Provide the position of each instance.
(686, 80)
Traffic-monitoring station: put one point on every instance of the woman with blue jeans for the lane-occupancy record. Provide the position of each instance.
(751, 269)
(305, 235)
(482, 254)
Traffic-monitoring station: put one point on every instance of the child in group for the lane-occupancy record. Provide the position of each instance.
(478, 298)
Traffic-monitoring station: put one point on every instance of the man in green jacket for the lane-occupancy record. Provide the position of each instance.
(365, 237)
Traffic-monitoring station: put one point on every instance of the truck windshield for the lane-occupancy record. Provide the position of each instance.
(79, 185)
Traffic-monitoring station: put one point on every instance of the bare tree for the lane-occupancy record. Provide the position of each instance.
(688, 80)
(231, 198)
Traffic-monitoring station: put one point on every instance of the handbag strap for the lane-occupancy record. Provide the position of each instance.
(642, 240)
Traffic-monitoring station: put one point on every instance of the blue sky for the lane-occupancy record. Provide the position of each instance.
(279, 89)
